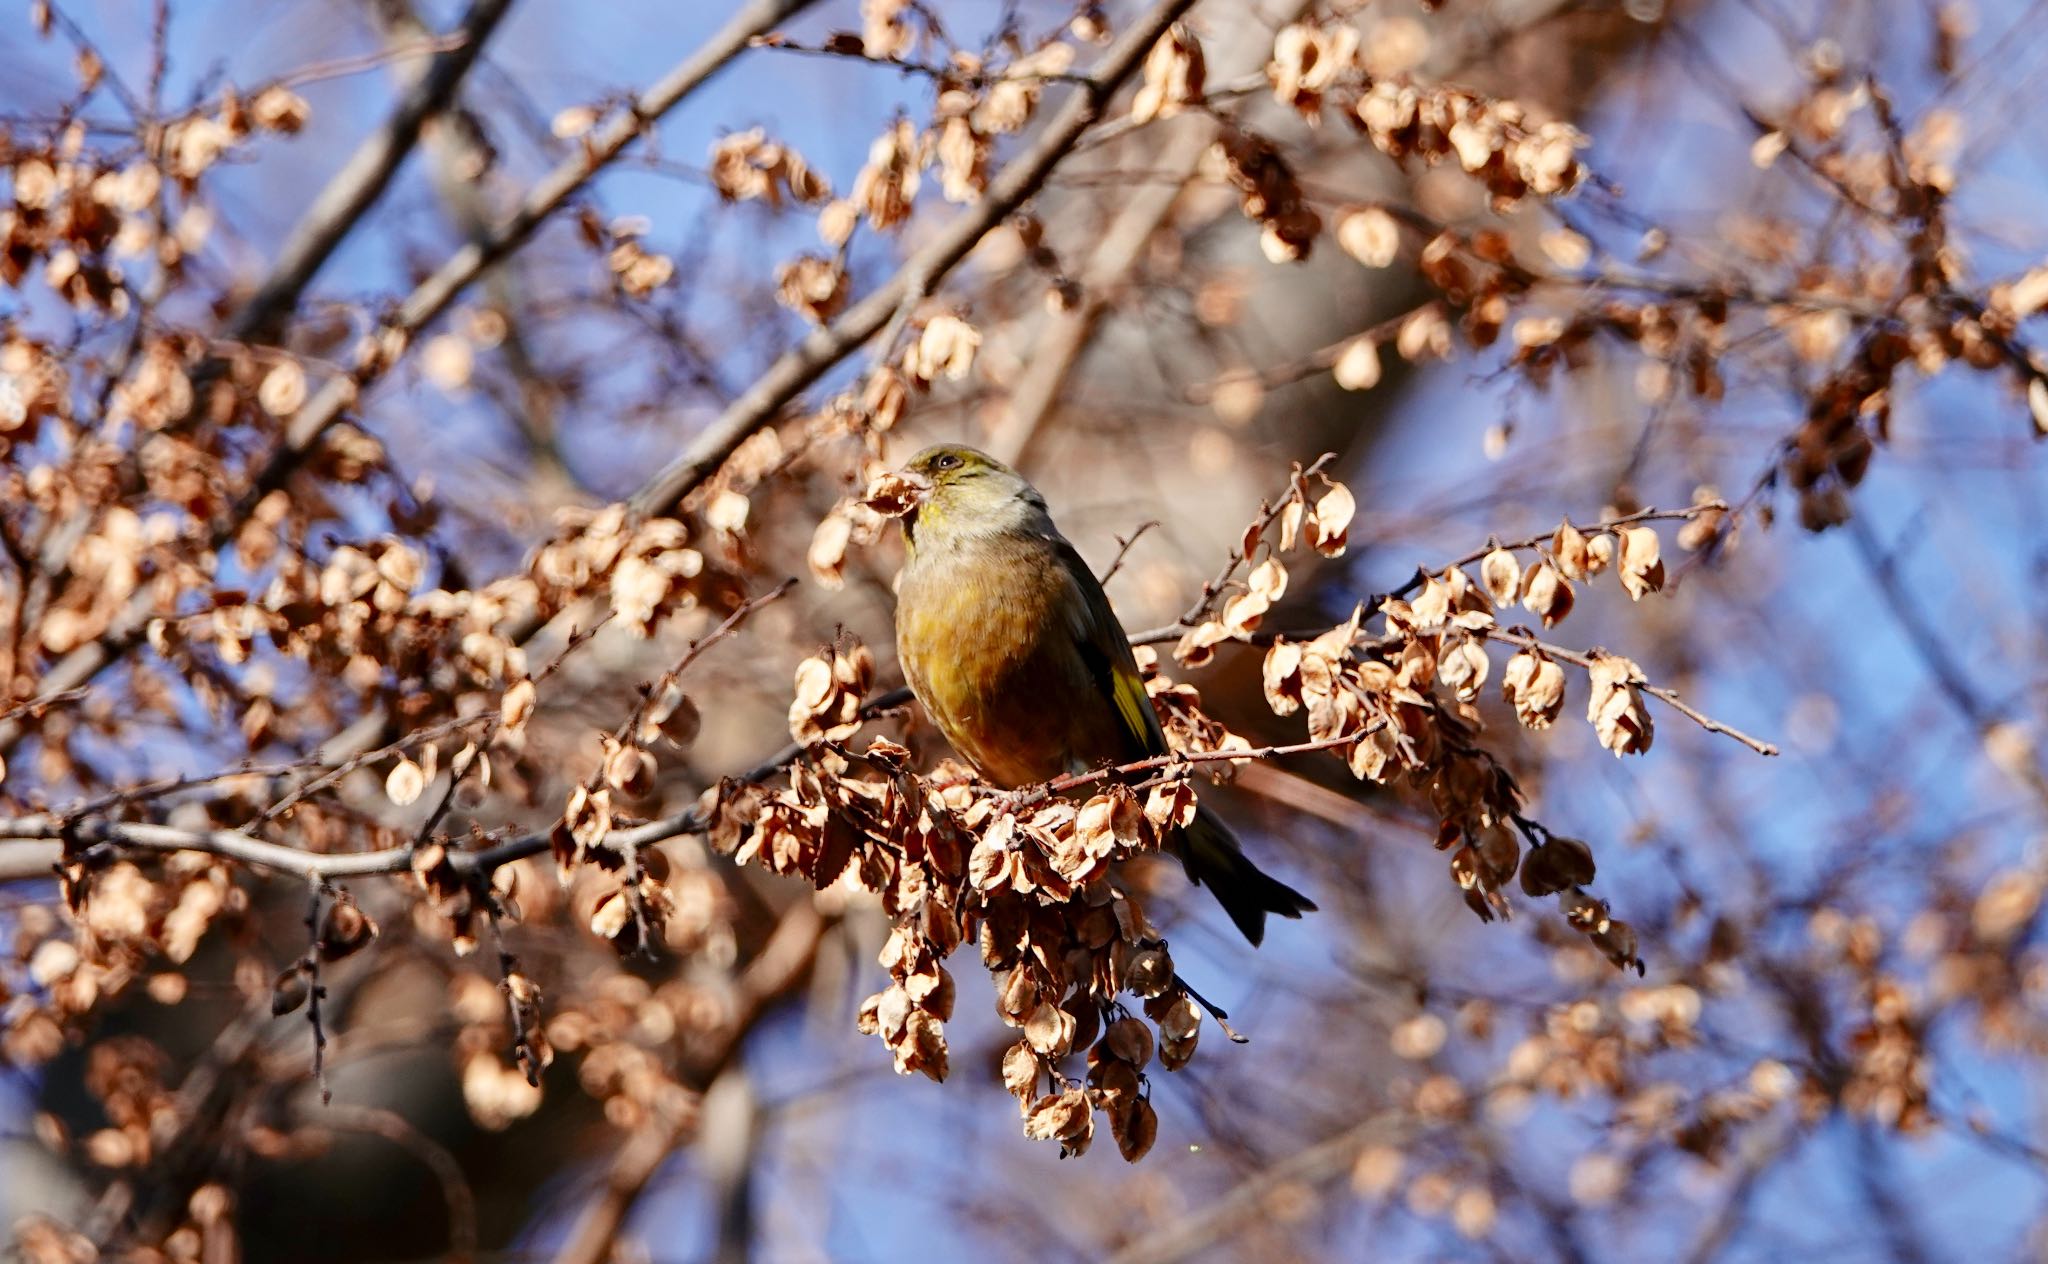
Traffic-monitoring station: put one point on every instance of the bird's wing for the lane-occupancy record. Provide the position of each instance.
(1105, 650)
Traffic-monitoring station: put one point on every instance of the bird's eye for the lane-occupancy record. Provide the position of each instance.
(947, 462)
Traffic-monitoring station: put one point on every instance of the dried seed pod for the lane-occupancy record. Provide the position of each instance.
(1558, 865)
(1546, 593)
(1150, 973)
(290, 990)
(1501, 572)
(1135, 1128)
(345, 928)
(1130, 1040)
(1641, 569)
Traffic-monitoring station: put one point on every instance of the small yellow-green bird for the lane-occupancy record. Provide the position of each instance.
(1011, 646)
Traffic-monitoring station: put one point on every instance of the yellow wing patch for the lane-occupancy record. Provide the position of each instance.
(1133, 706)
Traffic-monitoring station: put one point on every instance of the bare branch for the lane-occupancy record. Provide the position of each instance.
(1058, 347)
(1172, 631)
(398, 1130)
(941, 74)
(1268, 512)
(426, 302)
(1123, 549)
(1056, 351)
(32, 834)
(880, 312)
(363, 178)
(1220, 1218)
(779, 968)
(810, 359)
(26, 853)
(1074, 781)
(1686, 514)
(1669, 697)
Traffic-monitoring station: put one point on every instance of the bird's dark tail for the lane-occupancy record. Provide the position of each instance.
(1213, 859)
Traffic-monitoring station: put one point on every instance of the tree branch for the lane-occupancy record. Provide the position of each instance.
(1239, 47)
(35, 842)
(1066, 335)
(333, 215)
(1268, 512)
(397, 1129)
(776, 970)
(1221, 1218)
(810, 359)
(363, 179)
(426, 302)
(1669, 697)
(1172, 631)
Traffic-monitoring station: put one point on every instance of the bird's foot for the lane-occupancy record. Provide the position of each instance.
(1020, 801)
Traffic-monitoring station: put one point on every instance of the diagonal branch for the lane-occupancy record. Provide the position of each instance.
(333, 215)
(1222, 1217)
(1240, 46)
(810, 359)
(363, 179)
(1669, 697)
(446, 1171)
(817, 354)
(426, 302)
(1066, 335)
(781, 966)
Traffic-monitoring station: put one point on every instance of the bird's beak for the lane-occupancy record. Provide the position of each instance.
(897, 493)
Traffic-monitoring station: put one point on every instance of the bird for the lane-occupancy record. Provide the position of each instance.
(1010, 646)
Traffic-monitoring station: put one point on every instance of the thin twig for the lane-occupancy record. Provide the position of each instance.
(1030, 795)
(316, 991)
(1669, 697)
(812, 358)
(1123, 547)
(1172, 631)
(1540, 541)
(426, 302)
(635, 867)
(1950, 680)
(455, 1190)
(364, 177)
(944, 75)
(108, 75)
(1222, 1217)
(1268, 511)
(508, 965)
(1057, 350)
(338, 68)
(36, 706)
(1239, 554)
(778, 969)
(335, 772)
(1321, 360)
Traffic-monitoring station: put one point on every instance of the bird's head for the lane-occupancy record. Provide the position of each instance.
(957, 492)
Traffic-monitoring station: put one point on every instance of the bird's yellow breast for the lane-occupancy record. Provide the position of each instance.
(985, 638)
